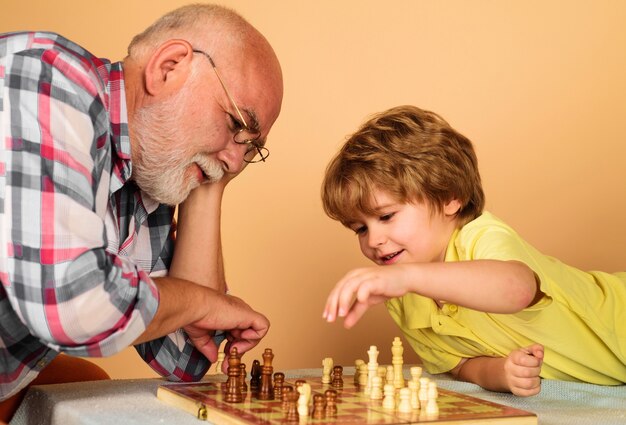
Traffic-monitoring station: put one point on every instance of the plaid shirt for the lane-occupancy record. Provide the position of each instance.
(78, 240)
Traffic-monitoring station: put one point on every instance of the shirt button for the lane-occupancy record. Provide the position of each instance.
(453, 308)
(42, 363)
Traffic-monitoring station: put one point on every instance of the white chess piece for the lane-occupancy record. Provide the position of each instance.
(432, 407)
(389, 400)
(397, 361)
(389, 376)
(404, 406)
(414, 387)
(416, 373)
(376, 392)
(363, 376)
(372, 367)
(303, 399)
(357, 370)
(423, 391)
(218, 364)
(327, 367)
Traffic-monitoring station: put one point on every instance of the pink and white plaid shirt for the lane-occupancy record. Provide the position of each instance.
(78, 239)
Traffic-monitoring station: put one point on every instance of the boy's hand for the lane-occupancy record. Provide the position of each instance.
(362, 288)
(522, 368)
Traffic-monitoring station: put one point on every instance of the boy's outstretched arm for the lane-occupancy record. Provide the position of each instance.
(485, 285)
(517, 373)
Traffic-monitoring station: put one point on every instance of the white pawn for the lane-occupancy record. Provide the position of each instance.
(389, 401)
(303, 399)
(218, 364)
(423, 391)
(404, 406)
(376, 392)
(363, 376)
(327, 367)
(432, 407)
(414, 389)
(357, 370)
(389, 376)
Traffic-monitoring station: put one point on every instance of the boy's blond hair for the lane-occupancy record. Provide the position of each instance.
(410, 153)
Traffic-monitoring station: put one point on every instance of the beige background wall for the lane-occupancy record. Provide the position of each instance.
(539, 86)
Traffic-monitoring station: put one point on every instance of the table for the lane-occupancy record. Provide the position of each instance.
(133, 401)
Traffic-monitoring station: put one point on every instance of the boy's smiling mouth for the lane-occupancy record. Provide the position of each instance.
(387, 259)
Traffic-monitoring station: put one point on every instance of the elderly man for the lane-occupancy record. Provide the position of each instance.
(94, 157)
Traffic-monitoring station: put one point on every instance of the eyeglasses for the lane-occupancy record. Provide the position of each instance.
(255, 152)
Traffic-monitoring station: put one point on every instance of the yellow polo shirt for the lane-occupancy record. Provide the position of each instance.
(581, 320)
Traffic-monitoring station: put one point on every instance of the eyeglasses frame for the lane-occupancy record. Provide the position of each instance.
(251, 142)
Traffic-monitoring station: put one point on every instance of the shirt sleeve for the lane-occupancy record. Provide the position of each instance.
(65, 287)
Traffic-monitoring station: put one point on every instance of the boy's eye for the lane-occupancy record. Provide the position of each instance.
(386, 217)
(360, 230)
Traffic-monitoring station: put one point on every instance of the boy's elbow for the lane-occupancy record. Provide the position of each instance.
(526, 292)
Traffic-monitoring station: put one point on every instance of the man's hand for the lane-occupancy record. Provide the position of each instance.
(522, 368)
(244, 327)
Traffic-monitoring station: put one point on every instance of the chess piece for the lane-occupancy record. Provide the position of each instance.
(319, 406)
(414, 389)
(372, 367)
(285, 399)
(416, 373)
(337, 381)
(363, 376)
(376, 392)
(242, 378)
(382, 372)
(331, 403)
(423, 391)
(389, 376)
(303, 399)
(432, 407)
(279, 380)
(292, 406)
(255, 376)
(327, 367)
(218, 364)
(389, 399)
(397, 361)
(233, 389)
(266, 391)
(404, 406)
(357, 370)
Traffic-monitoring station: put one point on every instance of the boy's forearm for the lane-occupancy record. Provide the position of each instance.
(198, 250)
(488, 372)
(485, 285)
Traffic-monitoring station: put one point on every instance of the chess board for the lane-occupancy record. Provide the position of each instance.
(204, 400)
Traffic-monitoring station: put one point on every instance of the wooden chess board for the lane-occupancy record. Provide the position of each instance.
(205, 400)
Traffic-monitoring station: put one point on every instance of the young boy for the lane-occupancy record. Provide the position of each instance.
(470, 295)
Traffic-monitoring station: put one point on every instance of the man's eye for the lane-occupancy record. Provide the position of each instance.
(236, 125)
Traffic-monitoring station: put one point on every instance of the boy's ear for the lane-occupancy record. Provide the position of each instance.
(168, 67)
(452, 207)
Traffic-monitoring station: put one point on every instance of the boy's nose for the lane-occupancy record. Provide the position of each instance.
(376, 239)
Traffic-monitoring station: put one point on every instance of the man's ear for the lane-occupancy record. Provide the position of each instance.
(168, 67)
(452, 207)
